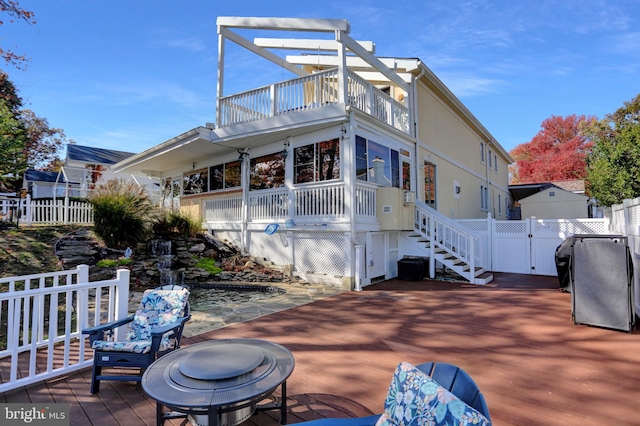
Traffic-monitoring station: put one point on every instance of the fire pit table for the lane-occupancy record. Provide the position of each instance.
(219, 382)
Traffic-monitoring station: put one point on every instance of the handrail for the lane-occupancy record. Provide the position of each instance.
(447, 235)
(54, 313)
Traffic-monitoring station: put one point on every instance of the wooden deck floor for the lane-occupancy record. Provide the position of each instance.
(514, 336)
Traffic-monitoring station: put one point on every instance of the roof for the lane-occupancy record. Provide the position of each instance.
(518, 192)
(40, 176)
(575, 185)
(89, 154)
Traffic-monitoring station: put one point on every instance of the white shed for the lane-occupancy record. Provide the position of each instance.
(555, 203)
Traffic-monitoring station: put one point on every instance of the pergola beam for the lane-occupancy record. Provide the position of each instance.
(315, 45)
(285, 24)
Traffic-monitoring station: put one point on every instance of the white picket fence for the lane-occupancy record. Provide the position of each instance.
(45, 211)
(39, 313)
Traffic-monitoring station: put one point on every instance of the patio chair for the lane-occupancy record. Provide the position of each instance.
(154, 330)
(460, 397)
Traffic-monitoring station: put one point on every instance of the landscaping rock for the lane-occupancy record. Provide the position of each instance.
(82, 247)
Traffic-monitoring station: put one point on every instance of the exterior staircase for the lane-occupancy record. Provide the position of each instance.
(449, 243)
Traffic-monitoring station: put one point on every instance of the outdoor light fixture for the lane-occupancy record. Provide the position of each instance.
(284, 152)
(241, 156)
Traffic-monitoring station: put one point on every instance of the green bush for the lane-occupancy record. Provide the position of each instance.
(186, 224)
(108, 263)
(208, 265)
(123, 214)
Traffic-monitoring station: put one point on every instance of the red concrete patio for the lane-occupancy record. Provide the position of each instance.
(514, 336)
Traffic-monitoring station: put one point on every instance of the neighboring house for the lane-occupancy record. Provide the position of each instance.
(360, 160)
(84, 168)
(41, 184)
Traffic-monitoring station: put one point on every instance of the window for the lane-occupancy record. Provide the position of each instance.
(406, 176)
(430, 184)
(195, 182)
(499, 204)
(484, 198)
(267, 172)
(377, 163)
(489, 158)
(495, 163)
(317, 162)
(481, 152)
(224, 176)
(170, 190)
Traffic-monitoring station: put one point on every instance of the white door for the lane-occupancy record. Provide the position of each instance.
(377, 255)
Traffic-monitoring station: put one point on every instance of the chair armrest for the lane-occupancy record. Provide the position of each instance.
(159, 331)
(97, 332)
(174, 328)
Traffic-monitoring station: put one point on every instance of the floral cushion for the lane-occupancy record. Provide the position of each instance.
(157, 308)
(416, 399)
(136, 346)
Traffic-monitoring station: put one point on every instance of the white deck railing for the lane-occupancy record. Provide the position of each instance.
(310, 92)
(325, 201)
(269, 204)
(227, 209)
(39, 313)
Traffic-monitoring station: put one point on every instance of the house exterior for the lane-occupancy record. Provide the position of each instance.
(358, 160)
(84, 168)
(41, 184)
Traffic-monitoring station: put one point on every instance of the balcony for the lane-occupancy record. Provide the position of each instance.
(312, 92)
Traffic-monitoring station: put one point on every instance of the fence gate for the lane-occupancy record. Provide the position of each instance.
(529, 246)
(511, 246)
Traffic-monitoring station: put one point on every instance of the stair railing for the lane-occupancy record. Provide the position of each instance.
(447, 235)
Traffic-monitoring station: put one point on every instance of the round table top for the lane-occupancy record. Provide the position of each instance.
(218, 373)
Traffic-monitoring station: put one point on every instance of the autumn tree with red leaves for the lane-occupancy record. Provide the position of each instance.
(558, 152)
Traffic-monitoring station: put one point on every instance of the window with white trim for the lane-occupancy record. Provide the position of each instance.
(195, 182)
(484, 198)
(317, 162)
(378, 163)
(430, 184)
(267, 172)
(225, 176)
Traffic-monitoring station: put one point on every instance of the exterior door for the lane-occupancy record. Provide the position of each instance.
(377, 256)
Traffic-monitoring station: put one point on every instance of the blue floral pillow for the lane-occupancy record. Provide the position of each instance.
(416, 399)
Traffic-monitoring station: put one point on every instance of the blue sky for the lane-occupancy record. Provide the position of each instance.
(129, 75)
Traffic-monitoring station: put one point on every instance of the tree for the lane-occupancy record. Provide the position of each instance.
(614, 162)
(15, 12)
(26, 140)
(13, 137)
(558, 152)
(12, 134)
(43, 142)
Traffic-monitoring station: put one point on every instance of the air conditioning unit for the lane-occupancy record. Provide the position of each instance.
(409, 197)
